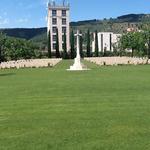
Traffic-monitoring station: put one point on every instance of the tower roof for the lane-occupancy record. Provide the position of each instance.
(53, 4)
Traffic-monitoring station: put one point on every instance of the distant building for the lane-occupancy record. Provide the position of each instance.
(132, 28)
(58, 18)
(105, 41)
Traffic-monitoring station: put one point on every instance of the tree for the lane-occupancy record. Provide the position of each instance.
(18, 49)
(128, 41)
(65, 47)
(14, 48)
(147, 42)
(2, 45)
(49, 44)
(57, 44)
(72, 51)
(81, 46)
(146, 28)
(149, 45)
(134, 41)
(88, 44)
(96, 44)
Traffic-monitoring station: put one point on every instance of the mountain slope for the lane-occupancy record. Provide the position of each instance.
(24, 32)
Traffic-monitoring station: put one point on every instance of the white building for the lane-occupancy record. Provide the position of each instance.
(58, 18)
(105, 41)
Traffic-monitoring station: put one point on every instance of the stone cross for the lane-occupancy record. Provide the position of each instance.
(78, 43)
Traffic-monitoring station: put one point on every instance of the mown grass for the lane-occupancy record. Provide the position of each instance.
(106, 108)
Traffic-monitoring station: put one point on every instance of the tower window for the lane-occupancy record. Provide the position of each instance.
(63, 12)
(54, 29)
(54, 38)
(64, 21)
(54, 12)
(54, 21)
(64, 29)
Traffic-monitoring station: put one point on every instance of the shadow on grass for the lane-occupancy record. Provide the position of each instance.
(6, 74)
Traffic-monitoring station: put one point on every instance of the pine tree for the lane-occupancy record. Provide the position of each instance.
(65, 47)
(72, 45)
(96, 44)
(57, 44)
(81, 46)
(49, 45)
(88, 44)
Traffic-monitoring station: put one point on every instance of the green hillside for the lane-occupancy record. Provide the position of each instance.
(26, 33)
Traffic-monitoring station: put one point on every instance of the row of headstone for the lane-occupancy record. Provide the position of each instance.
(110, 61)
(30, 63)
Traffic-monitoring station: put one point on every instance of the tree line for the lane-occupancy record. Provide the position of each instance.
(14, 49)
(137, 42)
(129, 44)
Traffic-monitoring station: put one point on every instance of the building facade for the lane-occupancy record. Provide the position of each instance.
(58, 19)
(105, 41)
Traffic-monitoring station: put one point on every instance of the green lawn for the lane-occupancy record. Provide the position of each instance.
(106, 108)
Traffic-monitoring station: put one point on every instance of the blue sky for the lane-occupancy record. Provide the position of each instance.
(32, 13)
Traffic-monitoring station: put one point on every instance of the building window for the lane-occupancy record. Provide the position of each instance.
(54, 45)
(54, 21)
(64, 29)
(63, 12)
(54, 29)
(54, 38)
(54, 12)
(64, 21)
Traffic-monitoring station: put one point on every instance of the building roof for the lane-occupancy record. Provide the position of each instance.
(56, 6)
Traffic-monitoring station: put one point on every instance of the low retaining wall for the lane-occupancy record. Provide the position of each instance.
(112, 61)
(30, 63)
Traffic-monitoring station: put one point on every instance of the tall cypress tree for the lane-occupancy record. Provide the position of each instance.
(57, 44)
(81, 46)
(65, 47)
(0, 53)
(72, 51)
(96, 44)
(149, 45)
(88, 44)
(49, 45)
(0, 47)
